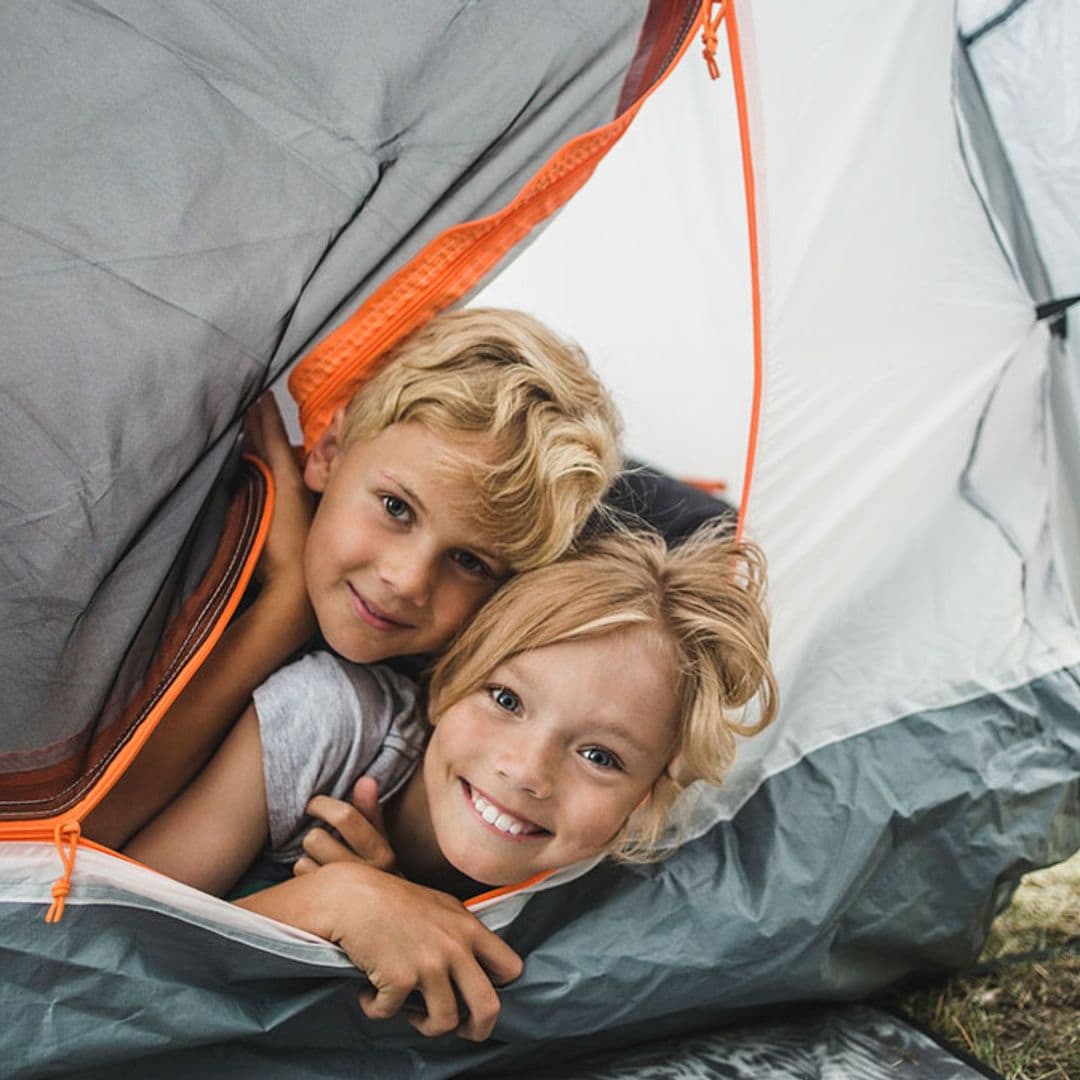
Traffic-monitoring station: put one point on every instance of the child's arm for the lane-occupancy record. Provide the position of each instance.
(255, 645)
(209, 835)
(404, 937)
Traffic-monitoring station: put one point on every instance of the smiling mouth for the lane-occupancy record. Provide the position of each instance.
(374, 616)
(499, 818)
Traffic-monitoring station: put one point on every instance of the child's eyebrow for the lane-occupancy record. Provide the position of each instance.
(408, 492)
(618, 731)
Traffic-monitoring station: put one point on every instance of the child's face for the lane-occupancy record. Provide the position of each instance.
(542, 766)
(393, 566)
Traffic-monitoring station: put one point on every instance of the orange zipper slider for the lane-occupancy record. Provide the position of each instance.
(710, 28)
(67, 843)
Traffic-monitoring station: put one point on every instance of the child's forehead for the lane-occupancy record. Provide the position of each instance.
(621, 634)
(618, 634)
(432, 449)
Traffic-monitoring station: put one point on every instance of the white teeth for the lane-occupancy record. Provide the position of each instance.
(493, 816)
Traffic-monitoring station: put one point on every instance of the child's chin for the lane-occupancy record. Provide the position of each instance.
(356, 652)
(486, 875)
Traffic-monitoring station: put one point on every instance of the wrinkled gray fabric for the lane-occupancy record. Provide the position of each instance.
(191, 193)
(842, 1043)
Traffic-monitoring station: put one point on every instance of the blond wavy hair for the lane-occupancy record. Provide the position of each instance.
(704, 601)
(549, 430)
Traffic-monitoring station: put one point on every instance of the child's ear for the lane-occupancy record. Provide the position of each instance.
(675, 770)
(317, 468)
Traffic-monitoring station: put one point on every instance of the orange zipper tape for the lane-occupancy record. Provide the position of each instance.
(446, 269)
(739, 85)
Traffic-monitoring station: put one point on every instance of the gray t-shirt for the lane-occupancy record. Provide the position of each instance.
(324, 723)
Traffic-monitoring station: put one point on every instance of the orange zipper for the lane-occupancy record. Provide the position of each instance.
(501, 234)
(738, 80)
(470, 249)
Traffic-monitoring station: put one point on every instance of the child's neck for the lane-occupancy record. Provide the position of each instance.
(411, 835)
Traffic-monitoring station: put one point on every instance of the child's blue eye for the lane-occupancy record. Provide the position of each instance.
(605, 759)
(472, 564)
(395, 507)
(505, 699)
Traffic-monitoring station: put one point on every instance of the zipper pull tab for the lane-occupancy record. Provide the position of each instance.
(67, 843)
(710, 28)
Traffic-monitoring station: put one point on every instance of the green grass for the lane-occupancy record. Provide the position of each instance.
(1021, 1017)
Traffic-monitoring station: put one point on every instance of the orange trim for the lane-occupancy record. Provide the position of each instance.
(739, 84)
(35, 832)
(42, 828)
(66, 836)
(506, 890)
(113, 852)
(709, 34)
(444, 272)
(710, 487)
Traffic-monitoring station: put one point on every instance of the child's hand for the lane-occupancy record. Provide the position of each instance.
(404, 937)
(359, 824)
(412, 938)
(282, 559)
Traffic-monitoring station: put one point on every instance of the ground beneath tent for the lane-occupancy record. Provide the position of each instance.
(1020, 1013)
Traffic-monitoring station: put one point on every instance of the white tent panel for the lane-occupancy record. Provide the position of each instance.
(890, 318)
(1024, 57)
(647, 268)
(1026, 65)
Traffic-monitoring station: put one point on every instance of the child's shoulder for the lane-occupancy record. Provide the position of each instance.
(321, 677)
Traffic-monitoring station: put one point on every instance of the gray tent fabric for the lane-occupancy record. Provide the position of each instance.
(192, 193)
(204, 997)
(201, 190)
(853, 1041)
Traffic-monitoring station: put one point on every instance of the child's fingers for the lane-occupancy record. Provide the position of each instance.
(265, 434)
(322, 848)
(251, 437)
(442, 1008)
(365, 797)
(363, 840)
(275, 439)
(383, 1002)
(304, 865)
(480, 1000)
(501, 963)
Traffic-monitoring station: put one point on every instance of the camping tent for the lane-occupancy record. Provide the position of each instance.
(199, 194)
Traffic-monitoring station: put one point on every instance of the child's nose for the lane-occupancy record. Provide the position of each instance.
(528, 764)
(409, 572)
